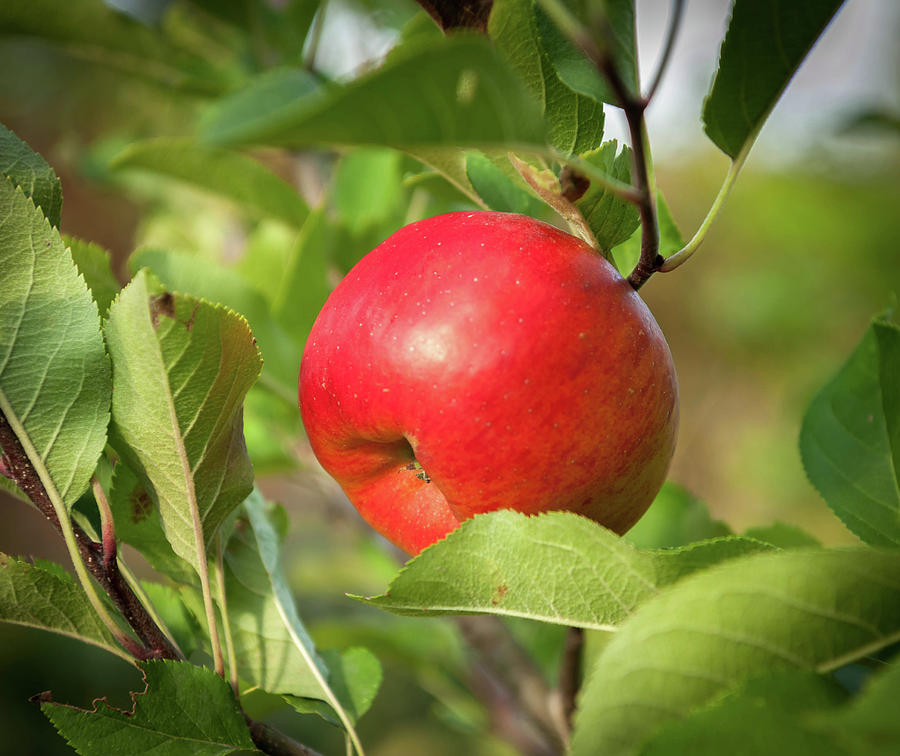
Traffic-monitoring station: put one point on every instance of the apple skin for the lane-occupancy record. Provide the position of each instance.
(505, 356)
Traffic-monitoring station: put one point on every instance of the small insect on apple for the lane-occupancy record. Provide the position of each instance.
(504, 359)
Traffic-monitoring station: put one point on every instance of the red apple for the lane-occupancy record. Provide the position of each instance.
(476, 361)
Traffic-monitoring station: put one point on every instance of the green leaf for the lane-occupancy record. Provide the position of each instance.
(137, 521)
(304, 285)
(611, 219)
(92, 31)
(184, 711)
(574, 69)
(263, 642)
(367, 188)
(778, 708)
(181, 368)
(215, 283)
(54, 372)
(590, 577)
(574, 121)
(354, 676)
(93, 262)
(300, 650)
(25, 168)
(496, 188)
(229, 174)
(812, 610)
(761, 51)
(849, 444)
(782, 535)
(676, 518)
(50, 600)
(870, 723)
(453, 91)
(178, 619)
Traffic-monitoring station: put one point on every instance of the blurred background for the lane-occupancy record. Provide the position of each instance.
(804, 254)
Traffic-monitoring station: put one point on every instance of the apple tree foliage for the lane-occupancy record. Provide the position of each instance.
(143, 414)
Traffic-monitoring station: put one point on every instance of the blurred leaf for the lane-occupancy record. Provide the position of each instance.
(181, 367)
(93, 262)
(574, 121)
(137, 521)
(761, 51)
(229, 174)
(185, 711)
(765, 715)
(355, 677)
(628, 252)
(49, 599)
(675, 518)
(54, 372)
(455, 91)
(872, 120)
(91, 30)
(812, 610)
(25, 168)
(271, 430)
(367, 188)
(870, 723)
(611, 219)
(850, 438)
(304, 285)
(589, 576)
(217, 284)
(496, 188)
(356, 687)
(782, 535)
(269, 97)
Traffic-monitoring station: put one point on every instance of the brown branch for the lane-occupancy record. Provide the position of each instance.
(105, 572)
(275, 743)
(514, 670)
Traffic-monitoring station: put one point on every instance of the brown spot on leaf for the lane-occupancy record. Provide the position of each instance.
(141, 505)
(190, 321)
(500, 593)
(161, 305)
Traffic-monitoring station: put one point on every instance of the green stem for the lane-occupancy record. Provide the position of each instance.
(226, 625)
(685, 253)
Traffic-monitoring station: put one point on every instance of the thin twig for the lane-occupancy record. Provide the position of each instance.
(514, 669)
(671, 35)
(570, 672)
(275, 743)
(22, 471)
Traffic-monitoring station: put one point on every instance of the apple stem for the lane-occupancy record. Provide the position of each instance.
(597, 45)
